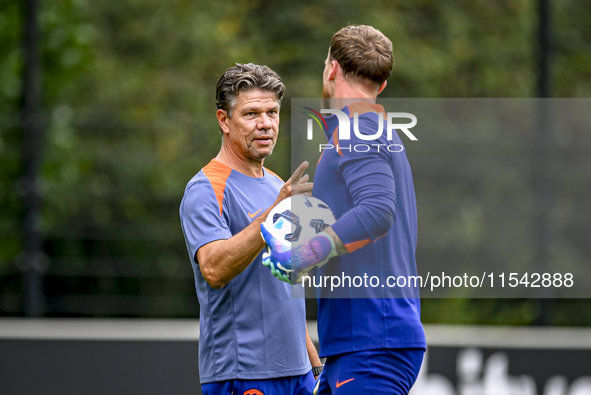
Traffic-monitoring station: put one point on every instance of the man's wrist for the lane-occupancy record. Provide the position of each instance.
(317, 370)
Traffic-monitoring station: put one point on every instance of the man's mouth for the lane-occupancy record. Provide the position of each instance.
(264, 140)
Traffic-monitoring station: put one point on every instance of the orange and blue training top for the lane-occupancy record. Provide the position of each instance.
(369, 186)
(251, 328)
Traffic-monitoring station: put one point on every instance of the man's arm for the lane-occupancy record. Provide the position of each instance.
(222, 260)
(370, 182)
(312, 353)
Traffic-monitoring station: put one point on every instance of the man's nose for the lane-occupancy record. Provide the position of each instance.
(265, 122)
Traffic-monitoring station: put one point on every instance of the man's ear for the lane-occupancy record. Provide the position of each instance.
(382, 87)
(334, 67)
(223, 119)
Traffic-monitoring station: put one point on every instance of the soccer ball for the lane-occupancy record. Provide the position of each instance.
(299, 218)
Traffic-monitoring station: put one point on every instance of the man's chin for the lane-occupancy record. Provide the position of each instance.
(261, 154)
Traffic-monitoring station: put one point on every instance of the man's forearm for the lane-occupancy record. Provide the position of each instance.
(312, 353)
(223, 260)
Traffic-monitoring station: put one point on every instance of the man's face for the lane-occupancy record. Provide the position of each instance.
(252, 131)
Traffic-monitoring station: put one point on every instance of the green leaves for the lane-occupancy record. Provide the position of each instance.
(128, 97)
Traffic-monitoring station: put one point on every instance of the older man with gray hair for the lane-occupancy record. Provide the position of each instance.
(254, 338)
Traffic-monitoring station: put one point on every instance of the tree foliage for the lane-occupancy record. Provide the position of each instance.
(129, 110)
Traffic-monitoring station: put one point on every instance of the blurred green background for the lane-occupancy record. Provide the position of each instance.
(128, 117)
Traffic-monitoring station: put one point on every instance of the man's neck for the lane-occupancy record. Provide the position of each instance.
(249, 167)
(346, 93)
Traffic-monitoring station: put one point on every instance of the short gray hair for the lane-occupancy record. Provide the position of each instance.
(243, 77)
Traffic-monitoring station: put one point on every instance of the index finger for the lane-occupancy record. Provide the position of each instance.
(297, 174)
